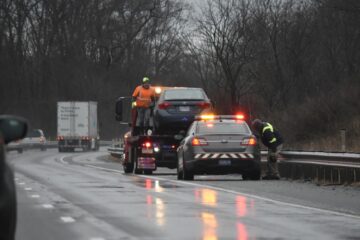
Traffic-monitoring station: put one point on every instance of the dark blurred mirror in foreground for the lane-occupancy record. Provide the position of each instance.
(12, 128)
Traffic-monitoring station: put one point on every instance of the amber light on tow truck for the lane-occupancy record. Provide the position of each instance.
(158, 90)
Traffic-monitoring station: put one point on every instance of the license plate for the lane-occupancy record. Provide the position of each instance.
(184, 108)
(224, 162)
(147, 150)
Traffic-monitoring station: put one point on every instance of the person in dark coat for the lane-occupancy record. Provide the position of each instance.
(273, 140)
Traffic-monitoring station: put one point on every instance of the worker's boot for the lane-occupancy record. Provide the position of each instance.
(272, 168)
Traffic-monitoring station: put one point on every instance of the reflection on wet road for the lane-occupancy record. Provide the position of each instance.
(160, 207)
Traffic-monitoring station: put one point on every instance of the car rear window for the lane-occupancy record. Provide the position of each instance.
(34, 133)
(223, 128)
(184, 94)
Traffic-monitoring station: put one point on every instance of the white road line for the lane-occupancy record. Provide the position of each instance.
(48, 206)
(21, 183)
(62, 159)
(234, 192)
(35, 196)
(67, 219)
(97, 238)
(28, 189)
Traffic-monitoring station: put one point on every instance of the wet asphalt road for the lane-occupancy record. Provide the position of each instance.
(86, 196)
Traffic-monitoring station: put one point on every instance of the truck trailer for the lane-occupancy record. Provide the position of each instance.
(77, 126)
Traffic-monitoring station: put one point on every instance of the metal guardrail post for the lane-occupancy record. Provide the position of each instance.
(343, 139)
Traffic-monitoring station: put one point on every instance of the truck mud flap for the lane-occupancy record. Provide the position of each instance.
(147, 163)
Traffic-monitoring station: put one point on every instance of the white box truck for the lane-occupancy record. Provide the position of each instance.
(77, 126)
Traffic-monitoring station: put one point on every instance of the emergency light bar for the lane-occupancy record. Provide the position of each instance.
(207, 117)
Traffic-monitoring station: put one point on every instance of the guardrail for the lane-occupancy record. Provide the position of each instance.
(49, 144)
(117, 152)
(321, 167)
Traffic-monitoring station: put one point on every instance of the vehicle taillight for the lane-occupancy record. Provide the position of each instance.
(164, 105)
(59, 138)
(203, 105)
(198, 142)
(147, 144)
(248, 142)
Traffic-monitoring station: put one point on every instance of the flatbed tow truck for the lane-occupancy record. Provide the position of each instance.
(144, 153)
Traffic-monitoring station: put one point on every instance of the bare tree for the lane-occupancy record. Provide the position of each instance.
(225, 37)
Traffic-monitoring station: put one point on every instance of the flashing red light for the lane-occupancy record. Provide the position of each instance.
(240, 116)
(248, 141)
(198, 142)
(164, 105)
(203, 105)
(147, 144)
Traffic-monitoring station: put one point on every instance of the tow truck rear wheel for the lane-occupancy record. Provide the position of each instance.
(137, 170)
(128, 167)
(135, 160)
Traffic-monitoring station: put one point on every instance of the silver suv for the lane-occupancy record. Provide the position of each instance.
(34, 139)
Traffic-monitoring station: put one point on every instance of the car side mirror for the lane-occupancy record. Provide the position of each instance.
(179, 137)
(12, 128)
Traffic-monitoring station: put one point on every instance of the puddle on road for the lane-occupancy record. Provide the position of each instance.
(157, 185)
(101, 186)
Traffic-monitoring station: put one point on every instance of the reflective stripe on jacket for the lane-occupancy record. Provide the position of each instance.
(270, 136)
(269, 127)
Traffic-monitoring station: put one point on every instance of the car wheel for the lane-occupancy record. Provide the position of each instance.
(255, 175)
(187, 174)
(179, 172)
